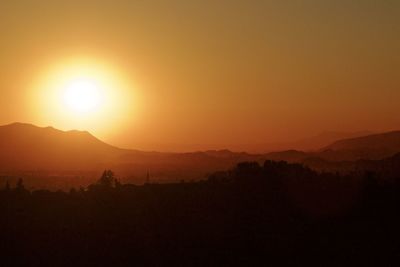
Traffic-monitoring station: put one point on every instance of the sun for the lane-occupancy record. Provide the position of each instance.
(83, 96)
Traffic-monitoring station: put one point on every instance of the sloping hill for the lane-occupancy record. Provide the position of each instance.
(27, 147)
(389, 140)
(314, 143)
(288, 155)
(376, 146)
(326, 138)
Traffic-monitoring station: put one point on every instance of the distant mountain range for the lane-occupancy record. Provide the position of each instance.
(25, 147)
(309, 144)
(388, 141)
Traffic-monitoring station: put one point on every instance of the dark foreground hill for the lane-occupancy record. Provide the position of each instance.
(275, 214)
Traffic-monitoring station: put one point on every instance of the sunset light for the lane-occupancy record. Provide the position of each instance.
(199, 133)
(84, 94)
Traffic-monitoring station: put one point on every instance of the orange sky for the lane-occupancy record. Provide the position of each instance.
(212, 75)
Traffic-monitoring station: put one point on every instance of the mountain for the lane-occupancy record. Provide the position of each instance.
(376, 146)
(342, 154)
(27, 147)
(389, 140)
(309, 144)
(324, 139)
(288, 155)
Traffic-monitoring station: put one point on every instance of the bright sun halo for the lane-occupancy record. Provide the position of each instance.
(82, 96)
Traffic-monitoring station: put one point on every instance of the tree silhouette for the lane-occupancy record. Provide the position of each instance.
(107, 180)
(278, 206)
(7, 187)
(20, 185)
(117, 183)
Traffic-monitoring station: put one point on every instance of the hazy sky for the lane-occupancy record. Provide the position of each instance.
(215, 73)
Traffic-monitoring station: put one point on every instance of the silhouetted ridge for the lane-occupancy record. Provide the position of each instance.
(27, 147)
(389, 140)
(288, 155)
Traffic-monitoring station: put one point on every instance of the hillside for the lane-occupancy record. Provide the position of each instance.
(27, 147)
(389, 140)
(376, 146)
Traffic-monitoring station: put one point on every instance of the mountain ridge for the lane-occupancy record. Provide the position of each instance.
(382, 140)
(26, 147)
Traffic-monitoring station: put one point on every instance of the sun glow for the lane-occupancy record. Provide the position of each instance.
(85, 95)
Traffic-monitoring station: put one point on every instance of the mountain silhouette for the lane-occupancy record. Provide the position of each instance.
(288, 155)
(27, 147)
(324, 139)
(376, 146)
(370, 147)
(309, 144)
(389, 140)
